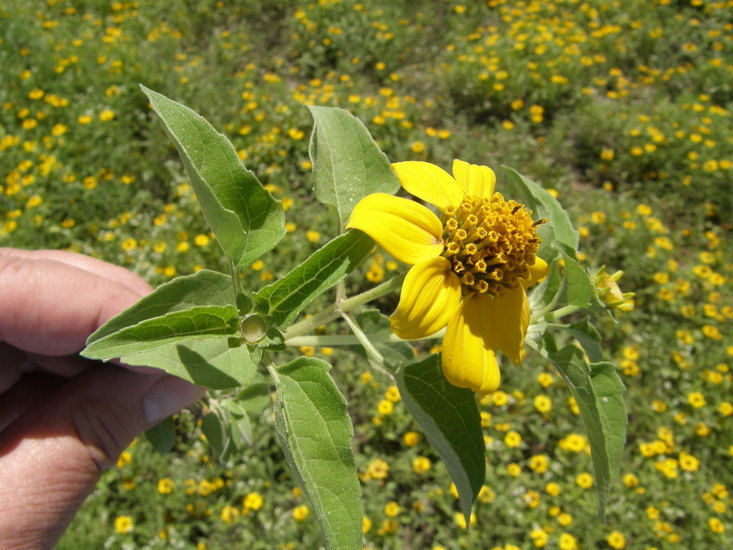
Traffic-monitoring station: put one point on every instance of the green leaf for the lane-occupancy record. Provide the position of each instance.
(187, 327)
(162, 436)
(598, 390)
(451, 421)
(213, 429)
(588, 337)
(347, 164)
(316, 434)
(245, 218)
(170, 329)
(558, 227)
(239, 423)
(255, 398)
(217, 362)
(203, 288)
(546, 293)
(578, 287)
(287, 297)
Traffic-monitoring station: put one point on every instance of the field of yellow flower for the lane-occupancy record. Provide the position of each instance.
(621, 108)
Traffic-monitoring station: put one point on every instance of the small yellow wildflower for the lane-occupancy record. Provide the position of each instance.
(253, 501)
(584, 480)
(123, 524)
(300, 513)
(165, 486)
(421, 464)
(616, 540)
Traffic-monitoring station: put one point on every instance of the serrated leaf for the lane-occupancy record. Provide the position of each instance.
(558, 227)
(174, 329)
(316, 434)
(288, 296)
(451, 421)
(246, 220)
(203, 288)
(162, 436)
(170, 329)
(218, 362)
(598, 390)
(347, 163)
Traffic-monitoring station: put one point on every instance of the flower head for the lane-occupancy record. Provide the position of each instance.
(470, 266)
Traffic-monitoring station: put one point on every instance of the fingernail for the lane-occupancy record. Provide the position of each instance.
(168, 396)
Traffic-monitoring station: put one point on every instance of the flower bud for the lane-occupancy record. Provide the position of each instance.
(253, 328)
(609, 293)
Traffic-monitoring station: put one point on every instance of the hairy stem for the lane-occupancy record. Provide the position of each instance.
(343, 305)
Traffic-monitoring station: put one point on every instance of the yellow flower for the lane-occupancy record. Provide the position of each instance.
(421, 464)
(253, 501)
(716, 526)
(300, 512)
(123, 524)
(616, 540)
(366, 525)
(165, 486)
(584, 480)
(470, 267)
(411, 439)
(391, 509)
(229, 514)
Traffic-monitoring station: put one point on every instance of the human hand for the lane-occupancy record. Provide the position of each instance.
(65, 419)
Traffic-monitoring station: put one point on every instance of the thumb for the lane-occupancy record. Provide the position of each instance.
(52, 456)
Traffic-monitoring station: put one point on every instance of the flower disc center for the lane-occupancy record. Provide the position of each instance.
(490, 242)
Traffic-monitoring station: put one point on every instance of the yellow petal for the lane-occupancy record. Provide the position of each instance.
(467, 360)
(507, 319)
(475, 180)
(430, 296)
(537, 272)
(429, 183)
(407, 230)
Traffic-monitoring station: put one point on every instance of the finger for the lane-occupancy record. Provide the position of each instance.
(13, 363)
(93, 265)
(30, 390)
(52, 456)
(65, 366)
(51, 307)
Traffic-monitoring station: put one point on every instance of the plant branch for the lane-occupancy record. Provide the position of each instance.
(341, 306)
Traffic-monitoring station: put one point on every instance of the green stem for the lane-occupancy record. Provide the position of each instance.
(363, 339)
(562, 312)
(341, 306)
(373, 356)
(334, 340)
(271, 367)
(235, 278)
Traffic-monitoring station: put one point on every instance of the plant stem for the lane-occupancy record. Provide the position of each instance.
(333, 340)
(341, 306)
(373, 356)
(363, 339)
(562, 312)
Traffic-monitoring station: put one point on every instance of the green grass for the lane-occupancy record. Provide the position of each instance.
(621, 107)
